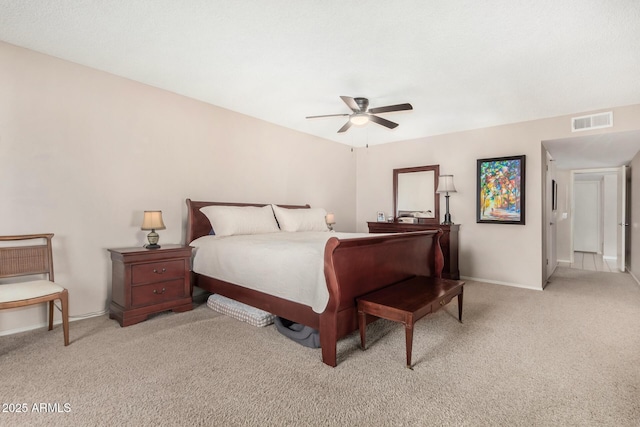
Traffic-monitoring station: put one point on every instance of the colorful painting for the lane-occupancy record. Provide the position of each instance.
(501, 190)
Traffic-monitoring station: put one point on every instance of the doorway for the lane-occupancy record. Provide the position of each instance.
(591, 151)
(598, 216)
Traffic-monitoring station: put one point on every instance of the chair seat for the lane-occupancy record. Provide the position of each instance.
(27, 290)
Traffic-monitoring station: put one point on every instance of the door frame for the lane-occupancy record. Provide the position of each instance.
(622, 220)
(550, 260)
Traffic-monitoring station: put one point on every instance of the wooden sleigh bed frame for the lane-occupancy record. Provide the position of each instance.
(352, 267)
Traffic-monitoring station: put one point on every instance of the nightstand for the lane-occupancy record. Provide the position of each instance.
(148, 281)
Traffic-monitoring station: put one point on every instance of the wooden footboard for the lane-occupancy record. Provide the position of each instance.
(352, 267)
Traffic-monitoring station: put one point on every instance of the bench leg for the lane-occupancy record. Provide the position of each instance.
(362, 325)
(460, 305)
(408, 327)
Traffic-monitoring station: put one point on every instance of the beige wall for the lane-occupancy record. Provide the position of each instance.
(507, 254)
(83, 153)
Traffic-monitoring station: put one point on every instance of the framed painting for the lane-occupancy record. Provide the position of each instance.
(501, 195)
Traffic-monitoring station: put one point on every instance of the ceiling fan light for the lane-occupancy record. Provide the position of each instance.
(359, 119)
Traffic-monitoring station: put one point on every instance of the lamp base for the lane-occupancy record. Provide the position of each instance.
(447, 219)
(447, 216)
(153, 238)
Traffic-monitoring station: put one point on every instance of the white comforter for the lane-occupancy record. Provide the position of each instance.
(283, 264)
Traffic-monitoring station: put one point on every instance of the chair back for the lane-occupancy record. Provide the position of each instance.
(28, 260)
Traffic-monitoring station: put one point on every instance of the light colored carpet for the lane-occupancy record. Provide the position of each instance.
(567, 356)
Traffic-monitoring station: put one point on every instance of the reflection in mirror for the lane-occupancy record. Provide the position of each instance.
(415, 193)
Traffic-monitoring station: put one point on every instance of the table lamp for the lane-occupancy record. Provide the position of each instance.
(153, 221)
(330, 219)
(445, 185)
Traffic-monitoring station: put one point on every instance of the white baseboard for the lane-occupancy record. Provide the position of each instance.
(634, 276)
(55, 323)
(497, 282)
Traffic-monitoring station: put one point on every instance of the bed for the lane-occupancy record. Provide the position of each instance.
(352, 267)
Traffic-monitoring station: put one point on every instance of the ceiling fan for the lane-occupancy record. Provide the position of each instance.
(362, 114)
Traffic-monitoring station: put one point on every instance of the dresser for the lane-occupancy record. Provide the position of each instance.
(148, 281)
(448, 241)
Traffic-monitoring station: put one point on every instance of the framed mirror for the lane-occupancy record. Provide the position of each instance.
(414, 193)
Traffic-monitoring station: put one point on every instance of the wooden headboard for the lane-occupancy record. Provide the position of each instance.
(198, 224)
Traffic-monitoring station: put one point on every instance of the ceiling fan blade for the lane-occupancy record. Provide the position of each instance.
(383, 122)
(327, 115)
(390, 108)
(351, 103)
(345, 127)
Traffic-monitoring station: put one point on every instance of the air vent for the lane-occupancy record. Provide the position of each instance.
(594, 121)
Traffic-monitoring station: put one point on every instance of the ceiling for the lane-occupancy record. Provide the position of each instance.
(594, 151)
(462, 64)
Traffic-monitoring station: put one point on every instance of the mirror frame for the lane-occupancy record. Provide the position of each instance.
(436, 197)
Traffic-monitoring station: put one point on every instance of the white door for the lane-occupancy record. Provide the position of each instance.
(621, 217)
(586, 216)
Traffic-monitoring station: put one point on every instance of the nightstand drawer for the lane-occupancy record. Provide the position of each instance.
(157, 271)
(155, 293)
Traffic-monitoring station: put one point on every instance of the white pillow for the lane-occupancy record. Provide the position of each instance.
(230, 220)
(301, 219)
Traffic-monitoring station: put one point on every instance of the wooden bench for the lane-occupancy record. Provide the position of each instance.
(407, 302)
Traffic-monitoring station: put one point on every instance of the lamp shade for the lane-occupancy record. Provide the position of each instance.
(152, 221)
(330, 218)
(445, 184)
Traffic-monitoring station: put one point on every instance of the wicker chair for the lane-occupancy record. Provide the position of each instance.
(28, 260)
